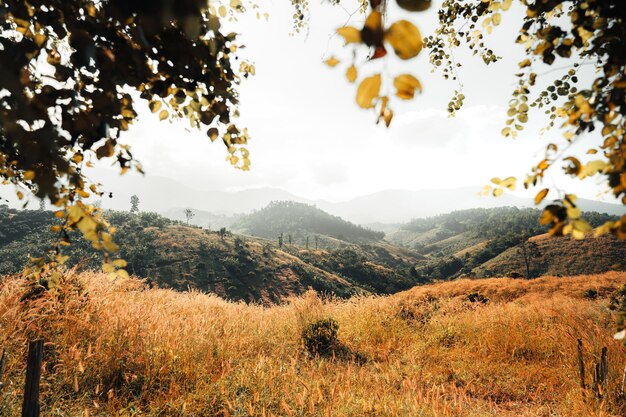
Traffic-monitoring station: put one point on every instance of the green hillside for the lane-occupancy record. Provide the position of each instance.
(488, 243)
(300, 221)
(234, 266)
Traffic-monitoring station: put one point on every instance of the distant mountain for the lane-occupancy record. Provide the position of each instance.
(392, 206)
(163, 195)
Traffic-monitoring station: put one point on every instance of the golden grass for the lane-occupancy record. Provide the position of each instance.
(121, 349)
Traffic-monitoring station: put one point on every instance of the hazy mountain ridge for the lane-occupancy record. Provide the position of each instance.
(168, 196)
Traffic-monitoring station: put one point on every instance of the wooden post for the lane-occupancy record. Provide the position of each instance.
(581, 365)
(2, 366)
(30, 407)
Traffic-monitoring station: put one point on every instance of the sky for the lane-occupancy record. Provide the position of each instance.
(310, 138)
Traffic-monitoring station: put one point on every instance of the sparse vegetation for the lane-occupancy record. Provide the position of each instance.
(120, 347)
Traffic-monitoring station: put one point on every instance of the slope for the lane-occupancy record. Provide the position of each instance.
(122, 347)
(233, 266)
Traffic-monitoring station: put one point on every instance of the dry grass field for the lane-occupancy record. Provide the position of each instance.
(122, 349)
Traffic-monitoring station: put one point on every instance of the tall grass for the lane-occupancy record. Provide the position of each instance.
(122, 349)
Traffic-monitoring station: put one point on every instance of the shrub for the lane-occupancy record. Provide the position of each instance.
(590, 294)
(320, 337)
(476, 297)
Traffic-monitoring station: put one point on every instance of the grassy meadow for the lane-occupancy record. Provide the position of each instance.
(493, 347)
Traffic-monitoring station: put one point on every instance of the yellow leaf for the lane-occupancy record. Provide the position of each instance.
(368, 90)
(122, 274)
(213, 133)
(573, 212)
(332, 61)
(77, 157)
(525, 63)
(541, 195)
(155, 106)
(351, 74)
(374, 22)
(405, 39)
(497, 192)
(120, 263)
(163, 115)
(405, 85)
(496, 19)
(509, 183)
(592, 168)
(349, 34)
(222, 11)
(580, 228)
(29, 175)
(110, 246)
(20, 195)
(108, 267)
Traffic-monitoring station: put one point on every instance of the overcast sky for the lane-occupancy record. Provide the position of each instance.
(310, 138)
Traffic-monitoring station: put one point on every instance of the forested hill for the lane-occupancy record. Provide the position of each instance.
(301, 220)
(490, 242)
(494, 223)
(235, 267)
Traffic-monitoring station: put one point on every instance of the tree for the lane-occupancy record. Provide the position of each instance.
(134, 204)
(222, 233)
(529, 251)
(189, 214)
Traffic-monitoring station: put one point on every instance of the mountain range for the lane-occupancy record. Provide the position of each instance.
(163, 195)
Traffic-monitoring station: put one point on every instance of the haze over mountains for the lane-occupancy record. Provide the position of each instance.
(170, 197)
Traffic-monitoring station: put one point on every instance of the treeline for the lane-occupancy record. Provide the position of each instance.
(301, 220)
(493, 222)
(498, 228)
(26, 233)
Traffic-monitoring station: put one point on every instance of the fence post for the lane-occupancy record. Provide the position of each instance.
(30, 407)
(2, 366)
(581, 365)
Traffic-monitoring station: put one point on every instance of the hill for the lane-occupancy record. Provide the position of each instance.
(492, 242)
(122, 348)
(235, 267)
(300, 221)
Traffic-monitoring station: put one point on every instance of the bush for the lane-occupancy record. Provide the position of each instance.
(320, 337)
(590, 294)
(476, 297)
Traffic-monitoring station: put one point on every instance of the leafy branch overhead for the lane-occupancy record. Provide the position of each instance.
(570, 33)
(73, 72)
(402, 36)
